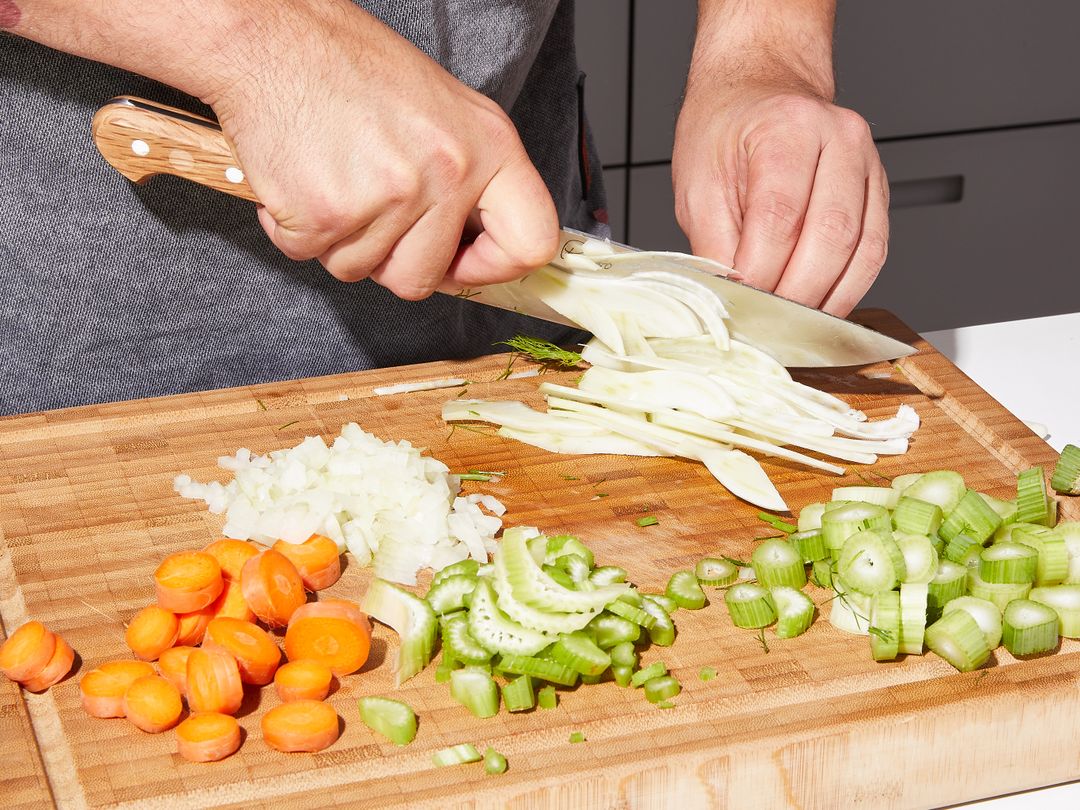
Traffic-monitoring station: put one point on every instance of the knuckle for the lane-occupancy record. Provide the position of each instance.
(798, 109)
(852, 125)
(839, 229)
(875, 249)
(399, 185)
(780, 216)
(450, 162)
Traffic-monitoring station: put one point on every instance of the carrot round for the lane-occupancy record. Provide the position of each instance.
(231, 604)
(317, 559)
(153, 704)
(59, 666)
(272, 587)
(27, 651)
(102, 690)
(193, 625)
(207, 737)
(152, 631)
(334, 608)
(173, 666)
(213, 682)
(303, 680)
(255, 652)
(231, 555)
(302, 725)
(340, 644)
(187, 581)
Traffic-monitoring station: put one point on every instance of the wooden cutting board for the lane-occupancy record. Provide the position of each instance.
(87, 511)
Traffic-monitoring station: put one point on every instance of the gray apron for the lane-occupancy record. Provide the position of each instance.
(110, 291)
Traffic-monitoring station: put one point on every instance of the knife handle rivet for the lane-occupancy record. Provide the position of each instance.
(234, 175)
(140, 147)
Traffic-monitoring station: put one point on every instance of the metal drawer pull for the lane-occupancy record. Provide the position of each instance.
(929, 191)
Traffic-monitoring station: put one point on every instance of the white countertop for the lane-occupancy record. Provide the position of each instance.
(1027, 366)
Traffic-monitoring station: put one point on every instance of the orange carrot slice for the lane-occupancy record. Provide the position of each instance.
(152, 631)
(334, 608)
(272, 587)
(213, 682)
(102, 690)
(231, 555)
(27, 651)
(303, 680)
(153, 704)
(173, 666)
(255, 652)
(59, 666)
(317, 559)
(340, 644)
(302, 725)
(187, 581)
(231, 604)
(207, 737)
(193, 625)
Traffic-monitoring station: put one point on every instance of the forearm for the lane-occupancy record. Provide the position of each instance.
(766, 41)
(198, 46)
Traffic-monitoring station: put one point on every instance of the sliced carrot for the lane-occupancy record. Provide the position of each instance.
(187, 581)
(213, 682)
(153, 704)
(102, 689)
(317, 559)
(59, 666)
(193, 625)
(334, 608)
(341, 644)
(302, 725)
(173, 666)
(231, 555)
(207, 737)
(27, 651)
(231, 604)
(254, 649)
(303, 680)
(272, 587)
(152, 631)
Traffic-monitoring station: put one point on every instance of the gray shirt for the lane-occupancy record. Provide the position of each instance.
(110, 291)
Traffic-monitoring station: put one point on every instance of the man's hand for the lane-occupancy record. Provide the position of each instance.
(769, 176)
(366, 154)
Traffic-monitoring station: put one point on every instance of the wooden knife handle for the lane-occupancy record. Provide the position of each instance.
(141, 139)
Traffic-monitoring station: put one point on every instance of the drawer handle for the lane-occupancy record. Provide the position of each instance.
(929, 191)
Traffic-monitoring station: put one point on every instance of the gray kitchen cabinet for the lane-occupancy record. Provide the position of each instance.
(983, 227)
(603, 52)
(651, 222)
(615, 186)
(923, 66)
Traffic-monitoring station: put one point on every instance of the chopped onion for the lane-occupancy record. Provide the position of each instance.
(384, 501)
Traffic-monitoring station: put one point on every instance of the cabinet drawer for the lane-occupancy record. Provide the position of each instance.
(924, 66)
(984, 227)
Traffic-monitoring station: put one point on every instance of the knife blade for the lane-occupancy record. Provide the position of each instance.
(141, 139)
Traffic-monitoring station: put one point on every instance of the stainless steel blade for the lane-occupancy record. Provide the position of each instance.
(796, 335)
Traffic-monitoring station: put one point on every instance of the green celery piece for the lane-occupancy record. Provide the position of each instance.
(413, 620)
(476, 690)
(393, 719)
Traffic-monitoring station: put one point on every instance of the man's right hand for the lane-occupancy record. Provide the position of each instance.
(370, 157)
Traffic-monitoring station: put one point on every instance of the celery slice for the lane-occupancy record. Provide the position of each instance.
(547, 698)
(913, 516)
(466, 568)
(958, 639)
(839, 523)
(822, 573)
(562, 545)
(777, 562)
(1070, 534)
(871, 562)
(1000, 593)
(498, 633)
(543, 669)
(662, 688)
(913, 604)
(683, 587)
(494, 762)
(459, 644)
(519, 695)
(393, 719)
(716, 573)
(882, 496)
(1065, 600)
(548, 622)
(456, 755)
(1006, 509)
(973, 517)
(656, 669)
(476, 690)
(811, 545)
(449, 593)
(950, 582)
(622, 675)
(1029, 628)
(1052, 564)
(920, 558)
(958, 548)
(750, 605)
(942, 487)
(1008, 562)
(902, 482)
(1066, 476)
(985, 613)
(810, 517)
(663, 600)
(885, 625)
(609, 630)
(624, 654)
(607, 575)
(413, 620)
(1032, 503)
(662, 629)
(633, 614)
(794, 611)
(580, 654)
(849, 610)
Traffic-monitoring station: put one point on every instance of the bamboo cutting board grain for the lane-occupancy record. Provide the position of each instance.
(87, 511)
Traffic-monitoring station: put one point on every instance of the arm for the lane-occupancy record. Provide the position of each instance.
(769, 175)
(365, 152)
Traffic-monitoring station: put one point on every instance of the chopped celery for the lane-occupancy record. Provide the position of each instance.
(1029, 628)
(750, 605)
(637, 615)
(885, 625)
(543, 669)
(707, 673)
(811, 545)
(794, 610)
(958, 639)
(609, 630)
(476, 690)
(494, 762)
(973, 517)
(519, 695)
(654, 670)
(1066, 476)
(715, 573)
(547, 698)
(1008, 562)
(456, 755)
(913, 610)
(1065, 600)
(577, 736)
(661, 688)
(985, 613)
(777, 562)
(683, 587)
(662, 629)
(916, 517)
(871, 562)
(393, 719)
(580, 654)
(413, 620)
(1032, 503)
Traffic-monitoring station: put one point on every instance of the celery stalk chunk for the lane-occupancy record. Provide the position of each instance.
(958, 639)
(456, 755)
(794, 611)
(413, 620)
(1029, 628)
(476, 690)
(495, 631)
(1066, 475)
(393, 719)
(871, 562)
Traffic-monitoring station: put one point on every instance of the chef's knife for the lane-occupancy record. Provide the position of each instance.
(142, 139)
